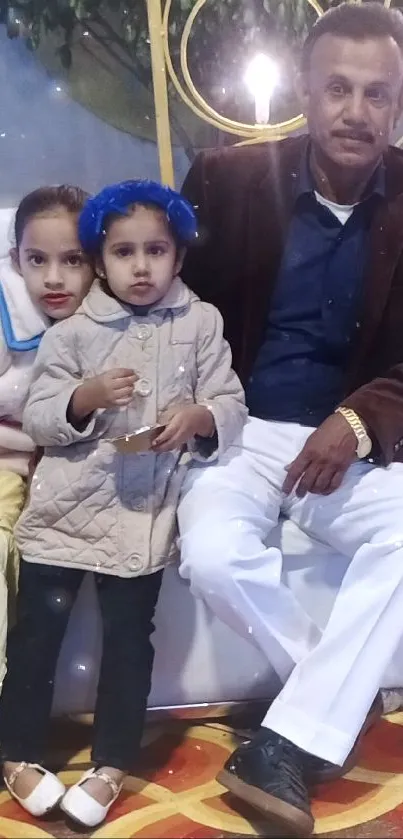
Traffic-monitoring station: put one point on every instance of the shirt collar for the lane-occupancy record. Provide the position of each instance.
(305, 183)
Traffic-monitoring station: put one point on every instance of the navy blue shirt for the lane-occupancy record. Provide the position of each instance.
(299, 373)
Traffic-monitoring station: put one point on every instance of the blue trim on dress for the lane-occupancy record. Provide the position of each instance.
(11, 341)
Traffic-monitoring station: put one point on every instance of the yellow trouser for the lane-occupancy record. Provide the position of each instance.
(12, 497)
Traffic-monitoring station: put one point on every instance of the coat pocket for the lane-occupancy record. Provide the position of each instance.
(181, 360)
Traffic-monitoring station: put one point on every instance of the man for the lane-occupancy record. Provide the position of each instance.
(302, 250)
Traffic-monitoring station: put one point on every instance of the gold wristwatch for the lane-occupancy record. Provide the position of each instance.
(364, 442)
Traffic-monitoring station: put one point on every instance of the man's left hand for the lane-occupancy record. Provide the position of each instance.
(321, 465)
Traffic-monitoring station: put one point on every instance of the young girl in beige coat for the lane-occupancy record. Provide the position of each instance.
(44, 277)
(142, 349)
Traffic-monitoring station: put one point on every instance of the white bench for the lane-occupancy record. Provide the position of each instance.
(198, 659)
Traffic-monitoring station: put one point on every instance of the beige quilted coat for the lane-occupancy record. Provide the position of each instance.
(91, 507)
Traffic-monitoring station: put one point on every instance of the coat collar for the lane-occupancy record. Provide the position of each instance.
(22, 321)
(103, 308)
(286, 160)
(305, 182)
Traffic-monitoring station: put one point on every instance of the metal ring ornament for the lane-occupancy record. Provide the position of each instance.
(196, 102)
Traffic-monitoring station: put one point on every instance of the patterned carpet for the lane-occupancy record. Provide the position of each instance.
(175, 796)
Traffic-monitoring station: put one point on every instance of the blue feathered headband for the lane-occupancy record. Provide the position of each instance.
(118, 197)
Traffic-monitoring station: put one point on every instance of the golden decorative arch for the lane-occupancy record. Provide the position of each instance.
(198, 104)
(162, 66)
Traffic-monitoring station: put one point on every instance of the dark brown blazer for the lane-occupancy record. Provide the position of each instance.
(244, 198)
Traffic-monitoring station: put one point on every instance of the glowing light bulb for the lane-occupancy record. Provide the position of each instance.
(261, 77)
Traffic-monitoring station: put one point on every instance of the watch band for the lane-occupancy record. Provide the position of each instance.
(363, 439)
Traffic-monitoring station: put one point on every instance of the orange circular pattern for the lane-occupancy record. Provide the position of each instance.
(176, 793)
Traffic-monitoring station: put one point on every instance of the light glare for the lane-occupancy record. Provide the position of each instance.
(261, 77)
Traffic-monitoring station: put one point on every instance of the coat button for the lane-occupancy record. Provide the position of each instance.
(134, 562)
(138, 505)
(143, 332)
(143, 387)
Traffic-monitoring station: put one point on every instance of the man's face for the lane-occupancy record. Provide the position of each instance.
(352, 95)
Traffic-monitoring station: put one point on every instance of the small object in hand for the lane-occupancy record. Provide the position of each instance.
(138, 441)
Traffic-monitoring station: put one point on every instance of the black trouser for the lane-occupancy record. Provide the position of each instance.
(45, 599)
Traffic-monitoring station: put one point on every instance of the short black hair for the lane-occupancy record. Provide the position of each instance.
(356, 21)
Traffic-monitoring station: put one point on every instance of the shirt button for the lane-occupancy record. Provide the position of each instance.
(134, 562)
(143, 332)
(143, 387)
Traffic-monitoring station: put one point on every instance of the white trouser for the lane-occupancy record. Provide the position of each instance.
(225, 517)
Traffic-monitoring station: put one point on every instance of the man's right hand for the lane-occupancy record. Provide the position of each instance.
(112, 389)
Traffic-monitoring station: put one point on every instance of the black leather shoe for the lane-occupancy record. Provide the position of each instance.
(318, 771)
(267, 773)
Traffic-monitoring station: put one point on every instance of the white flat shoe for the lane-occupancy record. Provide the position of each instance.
(46, 795)
(82, 807)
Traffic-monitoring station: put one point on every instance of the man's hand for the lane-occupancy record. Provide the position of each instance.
(109, 390)
(321, 465)
(184, 424)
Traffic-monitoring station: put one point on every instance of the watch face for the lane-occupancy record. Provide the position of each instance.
(364, 448)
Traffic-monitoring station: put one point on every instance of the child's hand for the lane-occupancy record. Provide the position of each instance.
(185, 424)
(109, 390)
(114, 388)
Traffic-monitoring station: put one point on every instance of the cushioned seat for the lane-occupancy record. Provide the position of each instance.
(198, 659)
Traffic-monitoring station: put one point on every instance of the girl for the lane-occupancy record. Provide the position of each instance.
(46, 278)
(141, 345)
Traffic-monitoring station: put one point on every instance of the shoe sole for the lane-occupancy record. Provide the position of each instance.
(300, 824)
(335, 772)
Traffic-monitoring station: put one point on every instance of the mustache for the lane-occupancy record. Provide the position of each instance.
(354, 134)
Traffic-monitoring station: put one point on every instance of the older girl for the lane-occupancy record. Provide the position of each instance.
(45, 278)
